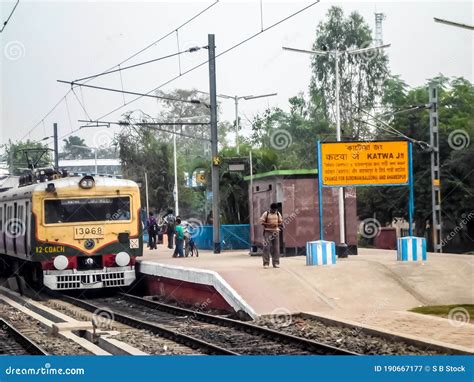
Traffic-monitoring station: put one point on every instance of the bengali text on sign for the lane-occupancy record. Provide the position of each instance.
(364, 163)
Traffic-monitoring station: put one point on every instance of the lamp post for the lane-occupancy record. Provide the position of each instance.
(236, 103)
(453, 23)
(337, 53)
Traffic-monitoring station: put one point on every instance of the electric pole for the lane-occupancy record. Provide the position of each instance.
(342, 246)
(56, 150)
(435, 169)
(216, 234)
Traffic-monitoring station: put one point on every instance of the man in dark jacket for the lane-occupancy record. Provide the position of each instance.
(169, 220)
(152, 229)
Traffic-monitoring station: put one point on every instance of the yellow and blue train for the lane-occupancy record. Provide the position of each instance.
(72, 232)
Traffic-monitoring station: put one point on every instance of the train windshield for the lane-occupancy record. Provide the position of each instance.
(86, 210)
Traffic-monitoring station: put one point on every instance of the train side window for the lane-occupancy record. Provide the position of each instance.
(20, 213)
(1, 219)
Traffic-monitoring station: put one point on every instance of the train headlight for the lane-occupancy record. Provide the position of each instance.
(89, 262)
(87, 182)
(60, 262)
(122, 259)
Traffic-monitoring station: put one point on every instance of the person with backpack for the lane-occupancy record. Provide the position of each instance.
(179, 230)
(169, 220)
(271, 221)
(152, 229)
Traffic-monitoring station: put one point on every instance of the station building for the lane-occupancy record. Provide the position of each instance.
(296, 192)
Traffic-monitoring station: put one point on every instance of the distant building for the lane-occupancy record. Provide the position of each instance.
(104, 166)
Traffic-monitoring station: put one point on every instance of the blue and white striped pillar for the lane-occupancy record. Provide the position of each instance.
(411, 248)
(320, 252)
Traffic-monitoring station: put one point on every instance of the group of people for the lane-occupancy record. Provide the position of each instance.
(271, 220)
(169, 225)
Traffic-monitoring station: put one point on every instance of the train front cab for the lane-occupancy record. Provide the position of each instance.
(87, 233)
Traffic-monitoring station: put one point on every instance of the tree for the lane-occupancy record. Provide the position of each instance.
(291, 136)
(17, 154)
(361, 75)
(141, 152)
(456, 134)
(75, 148)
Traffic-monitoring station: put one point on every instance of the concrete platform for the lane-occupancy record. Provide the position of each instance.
(371, 288)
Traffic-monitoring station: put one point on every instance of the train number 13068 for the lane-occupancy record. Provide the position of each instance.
(88, 232)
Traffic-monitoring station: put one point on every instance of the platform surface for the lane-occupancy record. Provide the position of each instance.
(372, 288)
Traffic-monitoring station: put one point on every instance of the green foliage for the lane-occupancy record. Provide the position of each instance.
(291, 137)
(75, 148)
(141, 152)
(360, 74)
(18, 152)
(456, 119)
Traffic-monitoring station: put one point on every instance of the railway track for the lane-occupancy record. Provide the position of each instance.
(12, 342)
(211, 334)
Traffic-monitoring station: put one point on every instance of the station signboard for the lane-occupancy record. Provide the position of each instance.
(374, 163)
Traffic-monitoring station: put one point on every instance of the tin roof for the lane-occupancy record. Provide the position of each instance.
(287, 173)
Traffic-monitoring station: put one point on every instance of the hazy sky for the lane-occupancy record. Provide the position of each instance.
(50, 40)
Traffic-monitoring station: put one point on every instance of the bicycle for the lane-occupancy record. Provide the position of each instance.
(191, 248)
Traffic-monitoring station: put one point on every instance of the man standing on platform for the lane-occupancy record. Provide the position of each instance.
(152, 230)
(179, 230)
(169, 220)
(271, 221)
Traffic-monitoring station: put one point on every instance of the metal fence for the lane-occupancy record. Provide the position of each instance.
(233, 236)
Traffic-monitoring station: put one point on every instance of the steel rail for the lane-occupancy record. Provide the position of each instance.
(304, 343)
(28, 345)
(154, 328)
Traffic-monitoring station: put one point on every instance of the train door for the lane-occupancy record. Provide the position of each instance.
(20, 229)
(2, 235)
(12, 224)
(8, 213)
(26, 228)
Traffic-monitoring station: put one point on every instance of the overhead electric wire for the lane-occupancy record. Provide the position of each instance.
(126, 123)
(120, 69)
(47, 114)
(80, 103)
(391, 130)
(218, 55)
(124, 61)
(196, 101)
(153, 125)
(9, 17)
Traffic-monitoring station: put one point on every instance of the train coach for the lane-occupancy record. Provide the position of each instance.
(73, 232)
